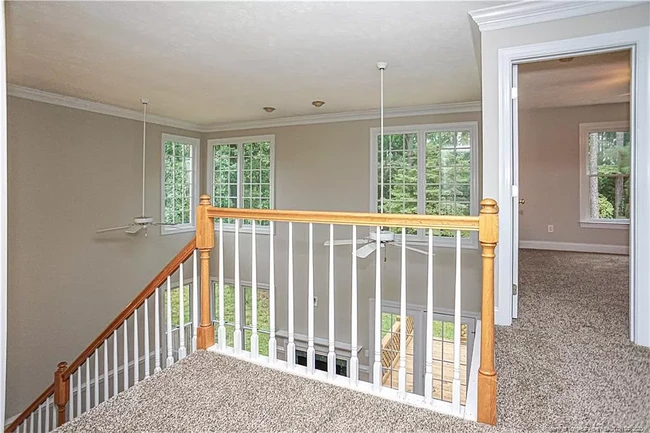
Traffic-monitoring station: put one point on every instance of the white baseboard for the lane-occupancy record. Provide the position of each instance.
(570, 246)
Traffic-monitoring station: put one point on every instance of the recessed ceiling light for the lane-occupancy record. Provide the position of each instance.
(269, 109)
(566, 59)
(318, 103)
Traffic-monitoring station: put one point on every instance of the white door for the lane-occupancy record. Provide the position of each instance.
(516, 201)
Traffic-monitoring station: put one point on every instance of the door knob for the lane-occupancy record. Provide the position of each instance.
(522, 201)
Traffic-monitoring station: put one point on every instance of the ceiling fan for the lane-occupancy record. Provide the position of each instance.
(140, 222)
(386, 237)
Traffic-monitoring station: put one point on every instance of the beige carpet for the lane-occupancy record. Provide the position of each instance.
(565, 366)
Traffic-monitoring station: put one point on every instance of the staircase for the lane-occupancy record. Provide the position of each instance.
(181, 311)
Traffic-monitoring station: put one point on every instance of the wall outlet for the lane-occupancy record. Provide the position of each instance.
(315, 301)
(550, 228)
(365, 352)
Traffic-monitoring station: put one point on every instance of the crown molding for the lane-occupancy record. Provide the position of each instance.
(94, 107)
(531, 12)
(348, 116)
(110, 110)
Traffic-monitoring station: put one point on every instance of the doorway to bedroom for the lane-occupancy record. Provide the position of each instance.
(572, 151)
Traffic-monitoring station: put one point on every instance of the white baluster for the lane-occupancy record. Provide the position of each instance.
(87, 385)
(403, 326)
(156, 325)
(428, 367)
(71, 400)
(376, 367)
(54, 415)
(354, 360)
(31, 423)
(182, 351)
(105, 381)
(195, 300)
(221, 330)
(39, 419)
(237, 333)
(96, 387)
(272, 340)
(255, 345)
(455, 389)
(79, 393)
(136, 349)
(170, 348)
(311, 352)
(125, 357)
(115, 363)
(291, 346)
(331, 354)
(146, 338)
(47, 414)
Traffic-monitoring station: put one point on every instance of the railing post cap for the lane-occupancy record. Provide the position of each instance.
(62, 366)
(204, 200)
(489, 206)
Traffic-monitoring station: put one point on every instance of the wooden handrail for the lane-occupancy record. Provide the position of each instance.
(158, 280)
(31, 408)
(444, 222)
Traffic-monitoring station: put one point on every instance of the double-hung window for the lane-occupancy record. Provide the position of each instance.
(240, 173)
(605, 175)
(180, 183)
(426, 169)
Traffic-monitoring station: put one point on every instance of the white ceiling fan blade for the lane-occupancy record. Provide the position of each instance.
(112, 229)
(415, 250)
(344, 242)
(164, 224)
(134, 229)
(366, 250)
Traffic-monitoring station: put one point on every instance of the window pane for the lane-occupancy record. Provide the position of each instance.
(608, 169)
(224, 193)
(449, 154)
(178, 180)
(400, 194)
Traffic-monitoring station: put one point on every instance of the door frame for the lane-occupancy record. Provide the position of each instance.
(637, 40)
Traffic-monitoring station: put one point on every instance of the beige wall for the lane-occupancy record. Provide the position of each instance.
(492, 41)
(549, 174)
(70, 173)
(326, 167)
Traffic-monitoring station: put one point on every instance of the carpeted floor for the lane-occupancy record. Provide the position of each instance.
(565, 366)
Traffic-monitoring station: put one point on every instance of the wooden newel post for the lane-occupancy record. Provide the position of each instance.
(61, 392)
(487, 376)
(205, 243)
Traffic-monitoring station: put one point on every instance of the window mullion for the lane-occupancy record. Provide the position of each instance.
(422, 177)
(240, 176)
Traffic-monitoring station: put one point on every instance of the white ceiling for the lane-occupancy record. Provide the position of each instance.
(210, 63)
(585, 80)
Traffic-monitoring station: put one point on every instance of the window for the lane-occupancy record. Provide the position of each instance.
(321, 362)
(180, 183)
(427, 169)
(240, 173)
(605, 175)
(246, 309)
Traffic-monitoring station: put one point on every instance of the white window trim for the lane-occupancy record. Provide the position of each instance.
(239, 141)
(196, 180)
(472, 127)
(585, 220)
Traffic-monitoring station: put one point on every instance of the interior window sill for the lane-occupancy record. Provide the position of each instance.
(164, 231)
(616, 225)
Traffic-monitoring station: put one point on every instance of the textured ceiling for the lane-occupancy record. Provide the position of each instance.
(586, 80)
(220, 62)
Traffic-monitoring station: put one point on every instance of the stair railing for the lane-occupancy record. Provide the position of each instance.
(244, 336)
(161, 321)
